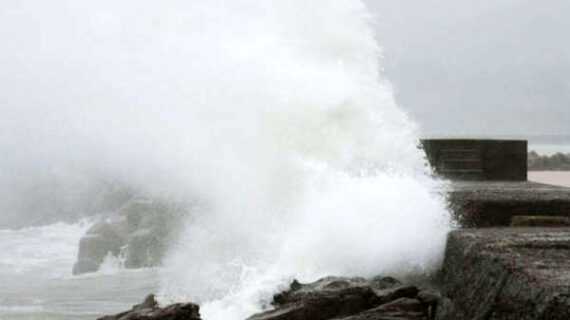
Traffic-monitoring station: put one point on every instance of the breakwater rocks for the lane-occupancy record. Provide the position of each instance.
(353, 299)
(328, 298)
(491, 274)
(149, 310)
(508, 273)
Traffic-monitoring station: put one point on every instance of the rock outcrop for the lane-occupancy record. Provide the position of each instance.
(101, 239)
(352, 298)
(149, 310)
(507, 274)
(378, 298)
(138, 234)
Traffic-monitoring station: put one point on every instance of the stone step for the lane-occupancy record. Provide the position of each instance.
(460, 154)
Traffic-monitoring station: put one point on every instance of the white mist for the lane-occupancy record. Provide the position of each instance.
(309, 167)
(274, 113)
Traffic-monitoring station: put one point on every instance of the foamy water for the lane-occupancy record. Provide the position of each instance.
(323, 176)
(35, 273)
(49, 251)
(274, 114)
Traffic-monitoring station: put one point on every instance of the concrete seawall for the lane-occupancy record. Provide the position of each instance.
(493, 203)
(507, 273)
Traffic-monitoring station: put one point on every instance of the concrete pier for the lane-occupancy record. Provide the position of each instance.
(494, 203)
(478, 160)
(507, 274)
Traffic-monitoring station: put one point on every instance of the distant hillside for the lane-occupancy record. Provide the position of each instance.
(558, 161)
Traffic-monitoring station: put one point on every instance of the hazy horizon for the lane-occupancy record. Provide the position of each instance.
(483, 68)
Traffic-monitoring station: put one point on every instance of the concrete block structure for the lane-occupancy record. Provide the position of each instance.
(478, 160)
(489, 182)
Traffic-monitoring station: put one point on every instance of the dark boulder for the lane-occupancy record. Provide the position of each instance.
(338, 297)
(149, 310)
(401, 309)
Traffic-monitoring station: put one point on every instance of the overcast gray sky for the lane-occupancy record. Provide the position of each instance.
(484, 67)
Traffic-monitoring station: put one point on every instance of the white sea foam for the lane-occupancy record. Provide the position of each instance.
(47, 251)
(316, 170)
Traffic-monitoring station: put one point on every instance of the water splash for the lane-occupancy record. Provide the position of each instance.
(317, 170)
(273, 113)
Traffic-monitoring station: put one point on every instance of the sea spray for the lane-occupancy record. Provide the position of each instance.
(319, 171)
(274, 114)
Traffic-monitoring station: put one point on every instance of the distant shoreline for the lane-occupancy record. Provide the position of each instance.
(556, 162)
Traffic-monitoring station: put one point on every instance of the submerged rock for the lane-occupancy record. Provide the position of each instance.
(149, 310)
(348, 298)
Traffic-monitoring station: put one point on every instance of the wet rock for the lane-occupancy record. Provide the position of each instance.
(403, 304)
(149, 310)
(387, 288)
(380, 282)
(431, 300)
(338, 297)
(387, 295)
(444, 310)
(401, 309)
(324, 299)
(300, 292)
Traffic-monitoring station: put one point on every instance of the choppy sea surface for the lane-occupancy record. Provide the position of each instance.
(36, 281)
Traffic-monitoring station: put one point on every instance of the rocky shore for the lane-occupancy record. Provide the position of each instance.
(492, 274)
(377, 298)
(520, 272)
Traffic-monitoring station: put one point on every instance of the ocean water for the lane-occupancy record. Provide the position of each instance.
(275, 115)
(36, 280)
